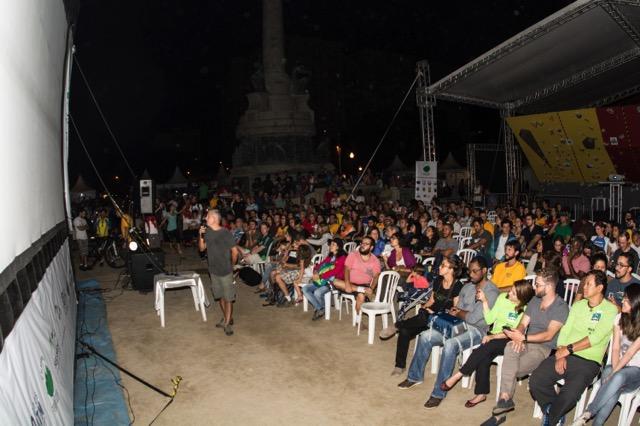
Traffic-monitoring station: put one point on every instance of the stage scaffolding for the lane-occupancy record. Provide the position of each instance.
(585, 55)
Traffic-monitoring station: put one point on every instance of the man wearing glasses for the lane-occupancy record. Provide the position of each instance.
(360, 273)
(624, 247)
(623, 269)
(531, 342)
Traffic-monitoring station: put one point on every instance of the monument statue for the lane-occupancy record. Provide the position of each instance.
(276, 131)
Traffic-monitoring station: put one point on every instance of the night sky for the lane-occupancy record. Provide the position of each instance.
(171, 77)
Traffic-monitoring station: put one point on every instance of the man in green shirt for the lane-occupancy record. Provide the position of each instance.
(563, 229)
(582, 343)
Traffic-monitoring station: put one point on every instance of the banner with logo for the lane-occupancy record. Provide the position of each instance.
(36, 363)
(426, 180)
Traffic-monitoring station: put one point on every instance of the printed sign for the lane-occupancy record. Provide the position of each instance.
(426, 180)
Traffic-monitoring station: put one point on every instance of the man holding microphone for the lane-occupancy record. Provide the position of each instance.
(221, 255)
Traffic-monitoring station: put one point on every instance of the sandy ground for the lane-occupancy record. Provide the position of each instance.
(279, 368)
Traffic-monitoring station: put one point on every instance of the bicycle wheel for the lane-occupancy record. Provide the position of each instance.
(113, 256)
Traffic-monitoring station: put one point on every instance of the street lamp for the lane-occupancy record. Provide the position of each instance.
(352, 155)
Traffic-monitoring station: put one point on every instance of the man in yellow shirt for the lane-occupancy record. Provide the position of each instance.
(511, 270)
(126, 223)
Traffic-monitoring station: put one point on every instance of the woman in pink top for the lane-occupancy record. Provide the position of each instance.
(575, 263)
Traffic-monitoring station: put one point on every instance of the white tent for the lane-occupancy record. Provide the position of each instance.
(176, 181)
(81, 190)
(398, 167)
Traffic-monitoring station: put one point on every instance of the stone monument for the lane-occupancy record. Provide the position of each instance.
(276, 132)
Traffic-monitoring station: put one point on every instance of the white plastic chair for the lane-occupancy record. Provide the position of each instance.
(350, 246)
(531, 278)
(467, 255)
(457, 237)
(383, 304)
(327, 303)
(347, 299)
(428, 262)
(580, 406)
(610, 274)
(418, 258)
(464, 242)
(465, 231)
(570, 289)
(629, 402)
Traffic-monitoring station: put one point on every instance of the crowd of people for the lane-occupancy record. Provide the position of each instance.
(495, 280)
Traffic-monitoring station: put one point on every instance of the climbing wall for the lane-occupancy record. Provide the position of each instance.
(584, 145)
(620, 129)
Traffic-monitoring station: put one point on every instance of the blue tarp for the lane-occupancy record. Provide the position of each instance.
(98, 396)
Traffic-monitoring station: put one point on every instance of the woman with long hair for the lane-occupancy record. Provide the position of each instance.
(429, 241)
(622, 373)
(506, 313)
(331, 268)
(446, 288)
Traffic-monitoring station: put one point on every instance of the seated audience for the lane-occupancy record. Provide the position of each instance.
(505, 314)
(581, 346)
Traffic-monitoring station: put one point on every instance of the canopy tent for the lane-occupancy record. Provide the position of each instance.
(586, 54)
(452, 172)
(145, 174)
(398, 167)
(81, 190)
(176, 181)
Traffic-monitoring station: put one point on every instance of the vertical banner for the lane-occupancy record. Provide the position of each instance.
(36, 363)
(426, 180)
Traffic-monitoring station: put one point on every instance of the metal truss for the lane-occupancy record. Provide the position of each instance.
(616, 96)
(511, 153)
(469, 100)
(426, 102)
(472, 148)
(578, 77)
(622, 21)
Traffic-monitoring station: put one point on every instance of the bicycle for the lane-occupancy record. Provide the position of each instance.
(108, 249)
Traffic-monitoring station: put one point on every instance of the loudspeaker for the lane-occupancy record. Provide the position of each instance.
(143, 266)
(147, 194)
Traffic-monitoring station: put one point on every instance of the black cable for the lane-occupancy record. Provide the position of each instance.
(95, 101)
(106, 189)
(384, 135)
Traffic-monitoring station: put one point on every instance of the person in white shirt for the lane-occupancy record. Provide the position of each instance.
(80, 230)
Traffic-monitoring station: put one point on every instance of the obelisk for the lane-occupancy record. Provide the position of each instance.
(276, 132)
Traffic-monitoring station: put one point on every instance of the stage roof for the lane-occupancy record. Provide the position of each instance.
(587, 54)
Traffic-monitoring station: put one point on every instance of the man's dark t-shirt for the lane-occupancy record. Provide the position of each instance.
(219, 245)
(530, 234)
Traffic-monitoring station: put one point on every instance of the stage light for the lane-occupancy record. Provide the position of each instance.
(360, 168)
(352, 155)
(133, 246)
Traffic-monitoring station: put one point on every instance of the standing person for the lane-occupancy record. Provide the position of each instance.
(622, 374)
(582, 343)
(80, 228)
(171, 220)
(222, 255)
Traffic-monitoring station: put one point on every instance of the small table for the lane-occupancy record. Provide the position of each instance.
(183, 279)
